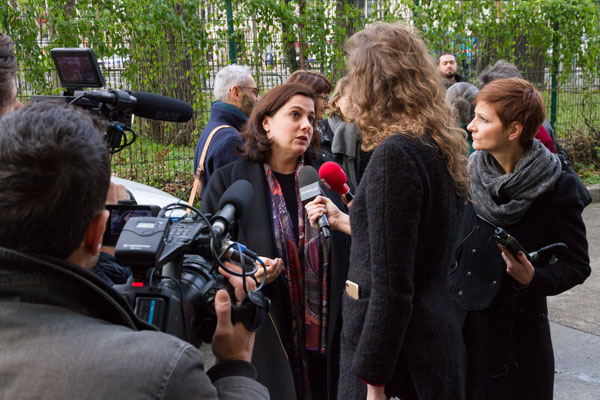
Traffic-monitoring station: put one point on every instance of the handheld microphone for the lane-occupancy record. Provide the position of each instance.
(145, 105)
(334, 178)
(232, 205)
(308, 178)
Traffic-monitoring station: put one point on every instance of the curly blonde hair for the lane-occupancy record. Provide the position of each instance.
(397, 89)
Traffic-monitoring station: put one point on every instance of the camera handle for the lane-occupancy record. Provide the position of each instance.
(253, 310)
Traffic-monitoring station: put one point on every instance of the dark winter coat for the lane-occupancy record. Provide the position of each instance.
(255, 230)
(506, 329)
(222, 148)
(403, 332)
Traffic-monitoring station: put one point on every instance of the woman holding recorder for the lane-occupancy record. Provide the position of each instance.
(518, 185)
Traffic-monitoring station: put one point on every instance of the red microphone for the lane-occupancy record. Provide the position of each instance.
(334, 178)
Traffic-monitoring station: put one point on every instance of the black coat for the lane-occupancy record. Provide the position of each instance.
(403, 332)
(255, 230)
(506, 327)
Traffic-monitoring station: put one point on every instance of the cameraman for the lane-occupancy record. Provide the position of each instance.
(65, 333)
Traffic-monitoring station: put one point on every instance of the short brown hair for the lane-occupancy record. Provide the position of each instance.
(8, 67)
(515, 99)
(313, 79)
(257, 146)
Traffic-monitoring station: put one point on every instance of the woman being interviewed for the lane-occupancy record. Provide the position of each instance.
(518, 185)
(296, 351)
(400, 336)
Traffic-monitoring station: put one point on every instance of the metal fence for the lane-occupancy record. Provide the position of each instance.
(168, 164)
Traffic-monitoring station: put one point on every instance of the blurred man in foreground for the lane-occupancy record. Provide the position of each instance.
(65, 333)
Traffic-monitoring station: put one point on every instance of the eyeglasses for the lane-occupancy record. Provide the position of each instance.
(323, 97)
(255, 91)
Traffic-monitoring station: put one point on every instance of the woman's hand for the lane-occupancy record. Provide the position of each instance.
(274, 268)
(521, 270)
(376, 392)
(322, 205)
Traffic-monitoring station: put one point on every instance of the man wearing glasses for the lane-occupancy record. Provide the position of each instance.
(236, 94)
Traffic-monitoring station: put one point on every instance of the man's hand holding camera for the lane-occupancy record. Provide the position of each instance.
(232, 342)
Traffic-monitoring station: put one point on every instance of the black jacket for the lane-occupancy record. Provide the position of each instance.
(506, 327)
(255, 230)
(402, 332)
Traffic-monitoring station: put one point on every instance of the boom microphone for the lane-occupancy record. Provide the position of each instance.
(232, 205)
(308, 178)
(334, 178)
(145, 105)
(162, 108)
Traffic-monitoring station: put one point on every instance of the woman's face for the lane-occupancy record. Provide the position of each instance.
(291, 127)
(487, 130)
(345, 105)
(321, 105)
(13, 105)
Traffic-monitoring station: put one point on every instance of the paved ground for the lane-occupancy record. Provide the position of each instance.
(576, 326)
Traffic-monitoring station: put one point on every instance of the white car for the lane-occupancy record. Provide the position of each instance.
(146, 195)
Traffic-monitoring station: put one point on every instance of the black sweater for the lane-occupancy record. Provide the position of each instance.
(404, 219)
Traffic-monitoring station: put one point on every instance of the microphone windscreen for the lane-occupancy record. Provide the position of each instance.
(307, 175)
(334, 177)
(162, 108)
(239, 194)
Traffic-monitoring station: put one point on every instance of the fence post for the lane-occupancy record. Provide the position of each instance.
(232, 52)
(554, 82)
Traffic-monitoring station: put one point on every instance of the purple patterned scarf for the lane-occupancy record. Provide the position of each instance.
(306, 267)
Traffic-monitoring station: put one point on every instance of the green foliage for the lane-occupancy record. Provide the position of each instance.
(175, 48)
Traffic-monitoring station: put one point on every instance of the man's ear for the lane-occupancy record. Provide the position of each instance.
(235, 94)
(87, 253)
(515, 130)
(93, 237)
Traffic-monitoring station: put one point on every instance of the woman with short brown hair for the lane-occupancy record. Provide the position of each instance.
(518, 185)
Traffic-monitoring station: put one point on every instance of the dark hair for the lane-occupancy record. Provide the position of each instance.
(8, 67)
(257, 146)
(515, 99)
(500, 70)
(445, 53)
(54, 174)
(460, 95)
(313, 79)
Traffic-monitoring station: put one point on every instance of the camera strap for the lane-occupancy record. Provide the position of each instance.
(199, 174)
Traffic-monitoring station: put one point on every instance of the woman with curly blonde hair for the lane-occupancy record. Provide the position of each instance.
(400, 336)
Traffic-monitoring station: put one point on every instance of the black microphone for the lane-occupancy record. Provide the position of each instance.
(162, 108)
(308, 178)
(233, 203)
(145, 105)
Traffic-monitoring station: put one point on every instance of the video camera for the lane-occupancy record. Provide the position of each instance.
(174, 262)
(78, 69)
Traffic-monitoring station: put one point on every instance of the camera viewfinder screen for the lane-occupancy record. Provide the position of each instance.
(77, 71)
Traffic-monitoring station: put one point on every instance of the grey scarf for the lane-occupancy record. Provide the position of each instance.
(345, 135)
(504, 198)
